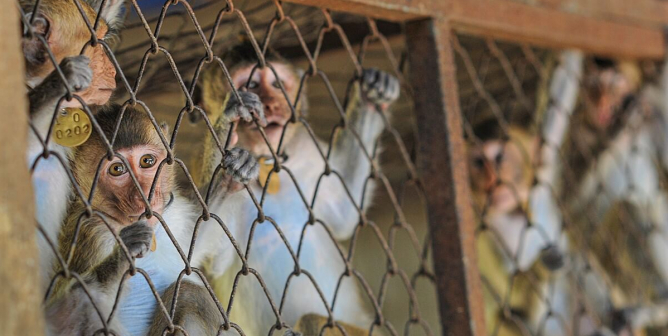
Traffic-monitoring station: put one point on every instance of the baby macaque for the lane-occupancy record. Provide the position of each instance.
(520, 225)
(617, 160)
(312, 226)
(502, 175)
(134, 201)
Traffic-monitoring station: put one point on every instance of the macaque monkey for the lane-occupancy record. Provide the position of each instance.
(617, 158)
(141, 217)
(609, 92)
(59, 27)
(334, 212)
(502, 177)
(520, 224)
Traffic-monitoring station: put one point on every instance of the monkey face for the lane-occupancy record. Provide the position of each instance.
(65, 40)
(501, 175)
(104, 74)
(606, 90)
(276, 108)
(123, 201)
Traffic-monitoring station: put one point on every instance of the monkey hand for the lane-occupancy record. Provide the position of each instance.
(249, 107)
(241, 165)
(137, 238)
(552, 257)
(380, 87)
(77, 73)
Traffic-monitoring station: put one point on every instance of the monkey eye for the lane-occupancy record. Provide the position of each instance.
(253, 85)
(479, 162)
(147, 161)
(499, 158)
(116, 169)
(277, 84)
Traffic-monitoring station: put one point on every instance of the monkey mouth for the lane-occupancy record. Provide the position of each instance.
(273, 126)
(270, 127)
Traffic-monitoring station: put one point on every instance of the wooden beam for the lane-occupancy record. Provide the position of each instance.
(513, 21)
(618, 30)
(442, 163)
(642, 13)
(20, 298)
(393, 10)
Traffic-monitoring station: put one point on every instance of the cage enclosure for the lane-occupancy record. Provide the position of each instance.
(348, 167)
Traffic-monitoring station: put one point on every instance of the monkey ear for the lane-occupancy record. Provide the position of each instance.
(164, 128)
(33, 49)
(112, 13)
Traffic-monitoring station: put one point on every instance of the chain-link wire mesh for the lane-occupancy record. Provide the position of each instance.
(567, 166)
(161, 54)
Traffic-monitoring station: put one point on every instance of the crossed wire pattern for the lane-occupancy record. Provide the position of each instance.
(157, 60)
(567, 201)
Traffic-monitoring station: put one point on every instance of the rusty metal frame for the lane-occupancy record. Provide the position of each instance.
(601, 27)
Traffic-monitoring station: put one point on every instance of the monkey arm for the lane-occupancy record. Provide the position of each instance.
(196, 312)
(77, 309)
(212, 155)
(240, 166)
(564, 90)
(351, 155)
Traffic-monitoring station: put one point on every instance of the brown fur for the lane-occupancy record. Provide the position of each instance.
(363, 114)
(191, 298)
(62, 26)
(312, 324)
(135, 129)
(68, 34)
(214, 90)
(514, 172)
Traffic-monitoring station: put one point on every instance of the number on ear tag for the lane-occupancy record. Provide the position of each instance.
(72, 127)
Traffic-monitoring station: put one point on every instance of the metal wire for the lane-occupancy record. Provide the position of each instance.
(155, 57)
(581, 194)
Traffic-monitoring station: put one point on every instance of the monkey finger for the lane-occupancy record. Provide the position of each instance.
(257, 110)
(246, 114)
(137, 238)
(77, 72)
(251, 106)
(234, 138)
(248, 171)
(234, 159)
(369, 76)
(395, 89)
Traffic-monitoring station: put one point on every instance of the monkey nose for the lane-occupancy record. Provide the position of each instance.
(491, 184)
(153, 221)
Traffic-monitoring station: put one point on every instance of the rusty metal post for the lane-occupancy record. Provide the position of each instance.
(20, 301)
(443, 168)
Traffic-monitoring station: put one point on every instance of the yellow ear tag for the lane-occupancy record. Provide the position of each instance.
(265, 169)
(72, 127)
(154, 244)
